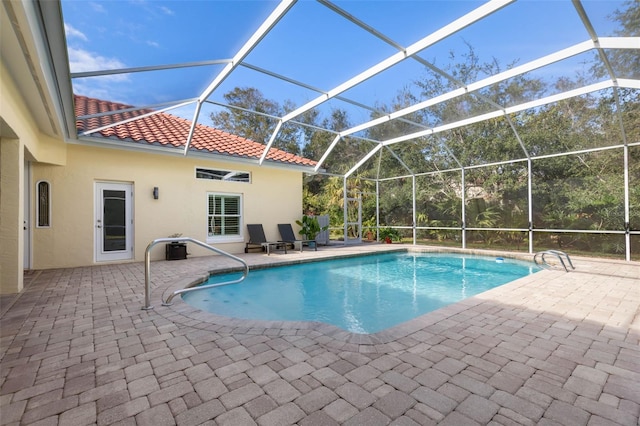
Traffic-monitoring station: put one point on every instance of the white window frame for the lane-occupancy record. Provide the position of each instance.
(229, 174)
(226, 238)
(38, 204)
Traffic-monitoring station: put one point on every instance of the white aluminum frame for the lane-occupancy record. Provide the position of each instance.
(46, 18)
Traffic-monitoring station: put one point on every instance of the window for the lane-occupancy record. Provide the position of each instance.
(43, 204)
(224, 217)
(223, 175)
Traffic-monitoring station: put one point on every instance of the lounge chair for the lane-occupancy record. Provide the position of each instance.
(287, 235)
(257, 240)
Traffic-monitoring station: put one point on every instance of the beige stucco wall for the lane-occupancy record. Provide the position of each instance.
(274, 196)
(11, 215)
(14, 112)
(22, 141)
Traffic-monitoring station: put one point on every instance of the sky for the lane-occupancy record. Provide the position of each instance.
(311, 44)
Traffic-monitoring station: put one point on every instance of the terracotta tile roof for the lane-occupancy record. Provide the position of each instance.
(170, 130)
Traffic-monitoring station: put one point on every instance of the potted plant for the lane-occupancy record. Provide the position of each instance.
(369, 232)
(309, 227)
(388, 235)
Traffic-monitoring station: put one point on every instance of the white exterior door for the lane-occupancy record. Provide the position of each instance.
(114, 221)
(26, 262)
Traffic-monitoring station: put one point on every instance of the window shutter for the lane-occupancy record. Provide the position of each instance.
(224, 215)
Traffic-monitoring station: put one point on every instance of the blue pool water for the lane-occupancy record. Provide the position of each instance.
(363, 294)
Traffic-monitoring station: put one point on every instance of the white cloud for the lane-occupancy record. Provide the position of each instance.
(82, 60)
(153, 43)
(166, 10)
(93, 91)
(74, 33)
(97, 7)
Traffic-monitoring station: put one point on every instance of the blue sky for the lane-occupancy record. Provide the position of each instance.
(310, 44)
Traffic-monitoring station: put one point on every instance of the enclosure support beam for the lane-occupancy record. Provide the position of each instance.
(281, 9)
(601, 52)
(362, 161)
(509, 110)
(530, 202)
(271, 140)
(327, 152)
(538, 63)
(444, 32)
(344, 209)
(415, 218)
(402, 163)
(138, 117)
(463, 197)
(627, 228)
(377, 210)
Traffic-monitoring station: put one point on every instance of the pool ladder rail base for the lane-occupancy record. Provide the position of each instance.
(559, 255)
(167, 302)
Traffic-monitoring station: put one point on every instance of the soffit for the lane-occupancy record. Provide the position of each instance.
(24, 67)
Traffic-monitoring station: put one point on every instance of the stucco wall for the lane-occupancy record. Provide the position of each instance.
(11, 215)
(20, 140)
(15, 114)
(273, 196)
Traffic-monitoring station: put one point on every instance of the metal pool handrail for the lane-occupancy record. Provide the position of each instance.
(147, 270)
(556, 253)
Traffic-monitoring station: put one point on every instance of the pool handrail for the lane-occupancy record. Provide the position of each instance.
(147, 269)
(556, 253)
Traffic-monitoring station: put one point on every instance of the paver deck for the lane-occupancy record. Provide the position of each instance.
(553, 348)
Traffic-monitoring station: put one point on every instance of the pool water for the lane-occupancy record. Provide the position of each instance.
(363, 294)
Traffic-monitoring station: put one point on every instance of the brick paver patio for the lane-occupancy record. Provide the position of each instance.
(553, 348)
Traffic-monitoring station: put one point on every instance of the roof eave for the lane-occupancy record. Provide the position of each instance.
(193, 153)
(46, 22)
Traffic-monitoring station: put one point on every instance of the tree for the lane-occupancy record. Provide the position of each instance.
(625, 63)
(260, 124)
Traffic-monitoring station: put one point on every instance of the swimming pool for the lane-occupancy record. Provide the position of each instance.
(364, 294)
